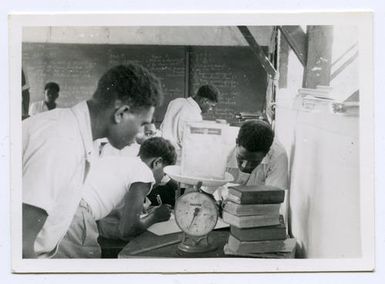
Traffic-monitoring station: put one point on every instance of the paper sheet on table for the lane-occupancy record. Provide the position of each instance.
(170, 226)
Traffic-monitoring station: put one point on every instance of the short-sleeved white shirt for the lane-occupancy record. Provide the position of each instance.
(38, 107)
(57, 154)
(179, 112)
(110, 179)
(273, 170)
(105, 149)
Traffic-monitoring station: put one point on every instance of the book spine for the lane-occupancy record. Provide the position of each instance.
(251, 209)
(273, 255)
(259, 234)
(238, 246)
(257, 197)
(250, 221)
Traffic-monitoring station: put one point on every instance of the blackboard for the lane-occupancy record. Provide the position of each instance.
(77, 68)
(235, 71)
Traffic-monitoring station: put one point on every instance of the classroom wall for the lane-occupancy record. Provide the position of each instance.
(234, 70)
(208, 36)
(323, 151)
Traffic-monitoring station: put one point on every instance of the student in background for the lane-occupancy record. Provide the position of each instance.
(58, 151)
(183, 110)
(118, 184)
(51, 93)
(258, 158)
(24, 95)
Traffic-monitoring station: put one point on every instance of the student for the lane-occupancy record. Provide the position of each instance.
(51, 93)
(24, 95)
(167, 188)
(58, 151)
(258, 158)
(118, 184)
(182, 110)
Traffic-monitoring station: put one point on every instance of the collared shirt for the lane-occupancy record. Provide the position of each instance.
(273, 170)
(38, 107)
(110, 179)
(105, 149)
(57, 154)
(179, 112)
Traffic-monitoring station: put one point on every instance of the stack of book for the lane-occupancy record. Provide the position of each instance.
(256, 227)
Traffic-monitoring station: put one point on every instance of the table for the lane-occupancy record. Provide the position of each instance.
(151, 245)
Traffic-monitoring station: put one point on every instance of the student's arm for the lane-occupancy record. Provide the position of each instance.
(278, 176)
(278, 173)
(33, 220)
(131, 224)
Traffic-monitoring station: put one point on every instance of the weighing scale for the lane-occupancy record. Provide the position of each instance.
(196, 212)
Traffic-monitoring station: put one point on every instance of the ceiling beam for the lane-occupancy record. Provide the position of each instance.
(297, 40)
(257, 50)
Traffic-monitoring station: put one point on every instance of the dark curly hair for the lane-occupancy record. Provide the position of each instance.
(52, 86)
(158, 147)
(131, 83)
(255, 136)
(208, 91)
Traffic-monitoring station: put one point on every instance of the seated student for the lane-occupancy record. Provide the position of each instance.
(166, 191)
(51, 93)
(258, 158)
(117, 187)
(167, 188)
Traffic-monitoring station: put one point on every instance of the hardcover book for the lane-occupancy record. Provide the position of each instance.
(242, 247)
(251, 209)
(257, 194)
(277, 232)
(250, 221)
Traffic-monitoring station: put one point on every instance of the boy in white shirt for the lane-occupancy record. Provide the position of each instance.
(51, 93)
(116, 187)
(182, 110)
(58, 151)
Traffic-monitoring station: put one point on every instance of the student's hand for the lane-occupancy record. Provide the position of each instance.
(162, 212)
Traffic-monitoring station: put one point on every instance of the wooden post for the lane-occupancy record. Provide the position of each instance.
(283, 61)
(319, 56)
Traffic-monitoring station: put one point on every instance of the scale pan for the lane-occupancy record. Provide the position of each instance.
(174, 172)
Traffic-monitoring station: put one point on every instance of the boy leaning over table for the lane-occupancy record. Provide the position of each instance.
(258, 158)
(58, 151)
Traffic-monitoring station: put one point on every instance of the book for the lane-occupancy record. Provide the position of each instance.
(277, 232)
(251, 209)
(275, 246)
(256, 194)
(273, 255)
(250, 221)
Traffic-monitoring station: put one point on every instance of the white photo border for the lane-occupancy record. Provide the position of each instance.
(363, 20)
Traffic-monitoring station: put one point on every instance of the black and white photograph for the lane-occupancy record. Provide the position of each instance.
(192, 143)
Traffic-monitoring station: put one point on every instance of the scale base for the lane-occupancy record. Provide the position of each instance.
(192, 245)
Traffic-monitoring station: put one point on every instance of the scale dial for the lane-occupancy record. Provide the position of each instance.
(196, 213)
